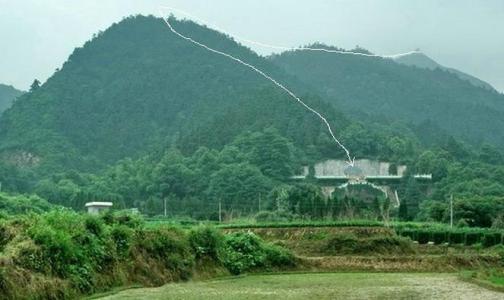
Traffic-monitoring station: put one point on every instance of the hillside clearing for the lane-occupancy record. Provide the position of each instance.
(320, 286)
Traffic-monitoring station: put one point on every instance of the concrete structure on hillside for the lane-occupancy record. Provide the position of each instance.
(337, 174)
(95, 208)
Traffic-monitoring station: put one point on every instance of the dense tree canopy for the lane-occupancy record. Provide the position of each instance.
(146, 120)
(381, 87)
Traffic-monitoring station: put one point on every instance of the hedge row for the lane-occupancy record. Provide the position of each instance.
(423, 236)
(356, 223)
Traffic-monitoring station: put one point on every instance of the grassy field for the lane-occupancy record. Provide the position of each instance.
(320, 286)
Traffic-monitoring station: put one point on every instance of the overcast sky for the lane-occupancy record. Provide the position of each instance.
(37, 36)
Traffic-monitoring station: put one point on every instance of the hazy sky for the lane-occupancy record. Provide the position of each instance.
(37, 36)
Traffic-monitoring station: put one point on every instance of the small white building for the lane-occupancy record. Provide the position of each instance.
(94, 208)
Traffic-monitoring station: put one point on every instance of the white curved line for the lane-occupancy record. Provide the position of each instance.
(277, 47)
(350, 160)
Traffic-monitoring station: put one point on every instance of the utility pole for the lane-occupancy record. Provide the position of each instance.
(259, 202)
(220, 211)
(164, 206)
(451, 211)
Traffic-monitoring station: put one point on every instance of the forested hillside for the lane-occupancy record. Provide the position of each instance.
(385, 89)
(138, 88)
(420, 60)
(7, 96)
(134, 87)
(140, 117)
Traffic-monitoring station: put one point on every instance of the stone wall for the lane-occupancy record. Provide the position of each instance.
(369, 167)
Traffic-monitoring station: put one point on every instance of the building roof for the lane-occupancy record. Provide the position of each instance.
(102, 204)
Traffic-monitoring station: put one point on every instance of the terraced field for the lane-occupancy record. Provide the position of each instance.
(320, 286)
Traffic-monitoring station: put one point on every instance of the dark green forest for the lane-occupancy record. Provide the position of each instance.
(7, 95)
(383, 89)
(142, 118)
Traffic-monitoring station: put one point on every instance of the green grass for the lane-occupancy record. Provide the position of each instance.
(320, 286)
(488, 278)
(249, 223)
(498, 280)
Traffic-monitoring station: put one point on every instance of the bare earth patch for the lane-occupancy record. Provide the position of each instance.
(320, 286)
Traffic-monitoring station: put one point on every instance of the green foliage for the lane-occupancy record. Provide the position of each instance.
(437, 233)
(491, 239)
(456, 237)
(71, 246)
(403, 211)
(6, 234)
(14, 179)
(245, 251)
(281, 216)
(302, 224)
(171, 247)
(35, 85)
(92, 253)
(472, 238)
(411, 234)
(122, 236)
(195, 97)
(351, 244)
(189, 134)
(206, 242)
(23, 204)
(476, 211)
(7, 96)
(423, 237)
(454, 106)
(439, 237)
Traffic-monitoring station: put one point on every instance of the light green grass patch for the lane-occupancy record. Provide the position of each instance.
(320, 286)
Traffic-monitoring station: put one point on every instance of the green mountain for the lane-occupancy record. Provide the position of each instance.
(420, 60)
(381, 88)
(143, 118)
(137, 87)
(7, 95)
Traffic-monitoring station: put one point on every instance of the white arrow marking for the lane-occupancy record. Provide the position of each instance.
(350, 161)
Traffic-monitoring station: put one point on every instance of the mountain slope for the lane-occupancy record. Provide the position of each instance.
(380, 87)
(7, 96)
(419, 59)
(136, 87)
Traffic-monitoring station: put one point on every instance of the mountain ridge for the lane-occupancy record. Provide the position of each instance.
(7, 96)
(361, 86)
(421, 60)
(132, 87)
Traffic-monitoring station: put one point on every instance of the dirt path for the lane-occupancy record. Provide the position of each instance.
(320, 286)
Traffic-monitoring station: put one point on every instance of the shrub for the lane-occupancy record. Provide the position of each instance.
(122, 218)
(94, 225)
(243, 252)
(472, 238)
(343, 243)
(456, 237)
(439, 237)
(57, 250)
(206, 241)
(274, 216)
(388, 245)
(246, 251)
(423, 237)
(81, 254)
(171, 247)
(277, 256)
(122, 235)
(491, 239)
(412, 234)
(5, 235)
(350, 244)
